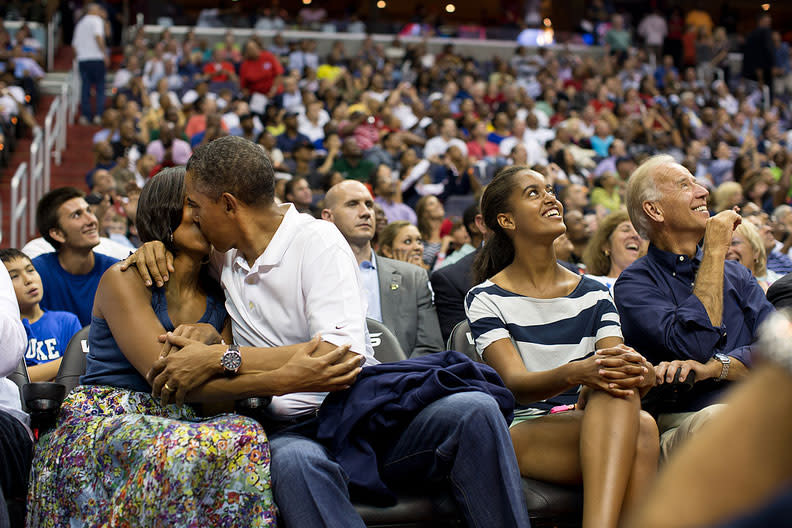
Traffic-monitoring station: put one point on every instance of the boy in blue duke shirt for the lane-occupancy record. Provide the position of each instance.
(49, 332)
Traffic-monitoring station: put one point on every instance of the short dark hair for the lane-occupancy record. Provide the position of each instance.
(234, 165)
(161, 206)
(47, 211)
(7, 255)
(289, 187)
(469, 217)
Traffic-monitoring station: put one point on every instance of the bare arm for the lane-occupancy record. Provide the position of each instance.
(194, 372)
(45, 371)
(666, 370)
(709, 279)
(529, 387)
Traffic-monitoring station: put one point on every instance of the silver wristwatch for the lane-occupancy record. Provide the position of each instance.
(231, 360)
(725, 363)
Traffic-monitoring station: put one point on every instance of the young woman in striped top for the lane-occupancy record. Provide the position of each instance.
(555, 339)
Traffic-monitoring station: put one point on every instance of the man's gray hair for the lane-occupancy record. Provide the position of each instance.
(781, 212)
(641, 188)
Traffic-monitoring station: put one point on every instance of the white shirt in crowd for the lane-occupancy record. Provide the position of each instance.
(653, 29)
(14, 339)
(312, 131)
(536, 152)
(305, 283)
(84, 42)
(39, 246)
(437, 146)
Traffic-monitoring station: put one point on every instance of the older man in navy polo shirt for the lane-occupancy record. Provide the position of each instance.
(684, 306)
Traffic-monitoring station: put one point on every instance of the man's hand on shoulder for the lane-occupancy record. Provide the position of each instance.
(152, 262)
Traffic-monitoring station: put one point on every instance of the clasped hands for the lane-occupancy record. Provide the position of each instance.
(188, 358)
(618, 370)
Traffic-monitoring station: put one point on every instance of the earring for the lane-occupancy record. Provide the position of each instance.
(170, 237)
(607, 253)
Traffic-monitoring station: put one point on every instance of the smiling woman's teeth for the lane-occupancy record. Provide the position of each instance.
(701, 208)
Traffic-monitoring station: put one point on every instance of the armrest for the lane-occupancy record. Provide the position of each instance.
(43, 396)
(43, 399)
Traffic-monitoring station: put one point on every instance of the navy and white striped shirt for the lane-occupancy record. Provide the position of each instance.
(547, 333)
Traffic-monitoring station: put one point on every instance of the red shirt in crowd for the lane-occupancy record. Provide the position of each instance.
(219, 71)
(258, 75)
(479, 152)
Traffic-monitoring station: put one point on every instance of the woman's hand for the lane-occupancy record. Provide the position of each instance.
(616, 370)
(174, 376)
(152, 261)
(408, 255)
(200, 332)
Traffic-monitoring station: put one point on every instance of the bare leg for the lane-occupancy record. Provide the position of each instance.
(609, 433)
(548, 448)
(597, 446)
(645, 464)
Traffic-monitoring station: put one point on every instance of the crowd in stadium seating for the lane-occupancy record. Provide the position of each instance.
(605, 225)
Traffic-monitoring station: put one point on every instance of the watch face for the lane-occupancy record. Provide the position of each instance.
(232, 361)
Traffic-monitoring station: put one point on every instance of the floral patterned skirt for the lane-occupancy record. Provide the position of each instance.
(117, 458)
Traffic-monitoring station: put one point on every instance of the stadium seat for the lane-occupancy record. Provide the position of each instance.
(461, 340)
(546, 501)
(386, 346)
(73, 362)
(20, 378)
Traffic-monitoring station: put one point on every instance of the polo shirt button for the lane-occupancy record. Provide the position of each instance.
(673, 273)
(681, 259)
(250, 304)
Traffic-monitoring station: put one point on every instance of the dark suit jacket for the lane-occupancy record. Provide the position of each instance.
(407, 309)
(450, 285)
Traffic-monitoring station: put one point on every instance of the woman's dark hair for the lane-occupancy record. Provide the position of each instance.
(498, 250)
(159, 213)
(161, 206)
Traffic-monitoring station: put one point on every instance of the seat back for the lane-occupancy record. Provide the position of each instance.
(461, 340)
(73, 362)
(20, 378)
(386, 346)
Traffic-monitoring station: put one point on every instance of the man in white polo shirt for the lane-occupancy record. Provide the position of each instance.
(288, 277)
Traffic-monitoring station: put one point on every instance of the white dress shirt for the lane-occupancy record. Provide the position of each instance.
(305, 283)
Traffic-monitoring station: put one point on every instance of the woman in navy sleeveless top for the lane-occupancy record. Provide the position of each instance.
(118, 457)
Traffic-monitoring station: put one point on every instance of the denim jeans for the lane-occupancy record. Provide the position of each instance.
(92, 73)
(462, 439)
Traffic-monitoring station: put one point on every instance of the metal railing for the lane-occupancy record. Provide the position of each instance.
(36, 175)
(19, 204)
(32, 179)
